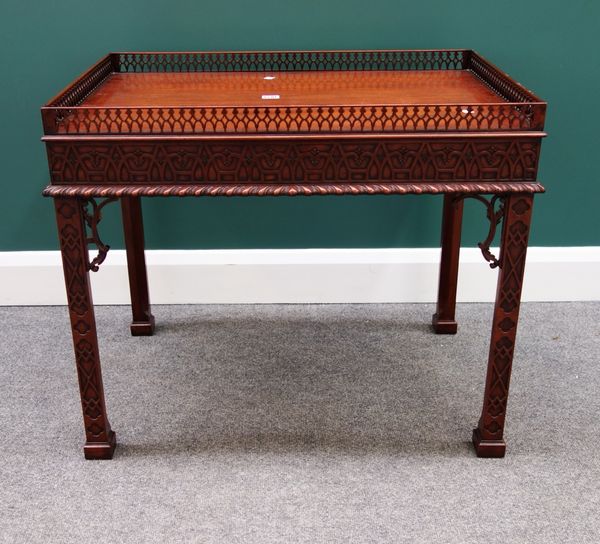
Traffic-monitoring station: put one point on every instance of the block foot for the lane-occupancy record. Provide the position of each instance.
(443, 326)
(143, 328)
(101, 450)
(488, 448)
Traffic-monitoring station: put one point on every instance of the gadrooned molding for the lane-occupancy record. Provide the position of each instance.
(301, 276)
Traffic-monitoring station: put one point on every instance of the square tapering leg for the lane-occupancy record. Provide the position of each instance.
(443, 320)
(143, 320)
(100, 439)
(488, 436)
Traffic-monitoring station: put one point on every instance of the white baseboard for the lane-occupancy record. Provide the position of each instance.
(301, 276)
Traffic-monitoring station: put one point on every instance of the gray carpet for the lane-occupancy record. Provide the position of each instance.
(316, 424)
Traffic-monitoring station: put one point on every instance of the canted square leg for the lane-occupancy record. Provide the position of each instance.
(488, 436)
(143, 320)
(100, 439)
(443, 320)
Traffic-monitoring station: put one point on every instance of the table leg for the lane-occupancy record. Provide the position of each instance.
(100, 439)
(143, 320)
(443, 319)
(488, 436)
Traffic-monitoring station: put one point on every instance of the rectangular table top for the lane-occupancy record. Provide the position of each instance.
(293, 122)
(314, 88)
(308, 92)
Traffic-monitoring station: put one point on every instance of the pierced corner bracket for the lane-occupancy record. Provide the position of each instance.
(494, 217)
(92, 218)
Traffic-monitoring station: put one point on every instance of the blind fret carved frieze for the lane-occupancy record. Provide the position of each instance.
(293, 162)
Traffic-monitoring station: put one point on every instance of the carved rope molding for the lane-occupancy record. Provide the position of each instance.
(285, 162)
(272, 189)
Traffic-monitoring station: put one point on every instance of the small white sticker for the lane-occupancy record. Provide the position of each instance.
(269, 78)
(270, 97)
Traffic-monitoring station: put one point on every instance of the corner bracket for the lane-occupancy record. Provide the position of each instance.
(92, 218)
(494, 217)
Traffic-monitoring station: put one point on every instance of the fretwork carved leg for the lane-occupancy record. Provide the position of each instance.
(488, 436)
(443, 319)
(143, 320)
(100, 439)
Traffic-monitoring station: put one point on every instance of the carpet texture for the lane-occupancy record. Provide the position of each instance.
(301, 424)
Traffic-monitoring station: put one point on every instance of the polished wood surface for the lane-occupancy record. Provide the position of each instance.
(443, 320)
(133, 230)
(331, 123)
(71, 222)
(292, 88)
(280, 92)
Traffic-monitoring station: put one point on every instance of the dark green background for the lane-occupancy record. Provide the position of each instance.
(550, 46)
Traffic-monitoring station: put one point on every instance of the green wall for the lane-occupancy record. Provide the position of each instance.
(550, 46)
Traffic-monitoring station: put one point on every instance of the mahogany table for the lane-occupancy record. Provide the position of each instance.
(293, 123)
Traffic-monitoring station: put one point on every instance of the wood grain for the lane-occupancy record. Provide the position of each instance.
(293, 88)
